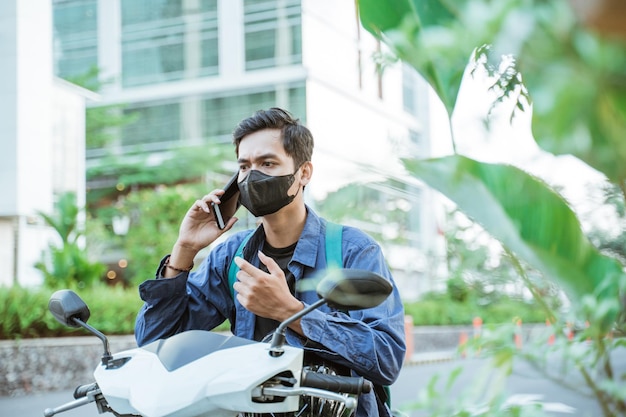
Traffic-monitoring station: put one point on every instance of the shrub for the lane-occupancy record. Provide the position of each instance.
(25, 314)
(441, 310)
(65, 262)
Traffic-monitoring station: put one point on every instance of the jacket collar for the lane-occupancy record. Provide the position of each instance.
(308, 246)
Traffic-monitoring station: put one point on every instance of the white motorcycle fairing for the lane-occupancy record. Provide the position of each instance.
(197, 373)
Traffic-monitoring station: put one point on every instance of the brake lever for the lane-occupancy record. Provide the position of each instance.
(89, 398)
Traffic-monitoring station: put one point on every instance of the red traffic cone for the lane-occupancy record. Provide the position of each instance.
(551, 337)
(518, 334)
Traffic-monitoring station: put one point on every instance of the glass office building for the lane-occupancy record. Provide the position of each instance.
(191, 69)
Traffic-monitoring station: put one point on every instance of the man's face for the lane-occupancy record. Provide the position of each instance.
(263, 151)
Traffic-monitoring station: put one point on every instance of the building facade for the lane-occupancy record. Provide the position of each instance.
(191, 69)
(42, 138)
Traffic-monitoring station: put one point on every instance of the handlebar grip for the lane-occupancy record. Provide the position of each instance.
(82, 390)
(336, 383)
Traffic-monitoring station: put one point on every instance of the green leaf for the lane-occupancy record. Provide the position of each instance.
(378, 16)
(436, 37)
(528, 217)
(414, 38)
(577, 80)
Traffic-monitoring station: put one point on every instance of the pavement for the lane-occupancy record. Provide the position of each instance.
(422, 358)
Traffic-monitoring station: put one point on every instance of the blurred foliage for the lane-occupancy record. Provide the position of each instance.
(155, 217)
(474, 258)
(527, 216)
(114, 308)
(366, 204)
(612, 241)
(576, 78)
(462, 303)
(529, 219)
(116, 175)
(113, 311)
(66, 262)
(539, 57)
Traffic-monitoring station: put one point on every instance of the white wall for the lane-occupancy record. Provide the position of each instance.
(350, 123)
(8, 104)
(42, 137)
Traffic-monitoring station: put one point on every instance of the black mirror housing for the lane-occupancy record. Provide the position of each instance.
(66, 305)
(353, 289)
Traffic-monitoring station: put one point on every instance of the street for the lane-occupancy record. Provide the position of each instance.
(473, 383)
(524, 385)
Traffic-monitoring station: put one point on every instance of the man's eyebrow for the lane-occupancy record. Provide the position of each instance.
(262, 157)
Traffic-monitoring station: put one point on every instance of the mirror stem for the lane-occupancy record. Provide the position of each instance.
(278, 339)
(106, 356)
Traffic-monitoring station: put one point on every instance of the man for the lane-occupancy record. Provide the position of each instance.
(274, 154)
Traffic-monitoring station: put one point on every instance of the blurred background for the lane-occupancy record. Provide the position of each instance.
(117, 114)
(129, 105)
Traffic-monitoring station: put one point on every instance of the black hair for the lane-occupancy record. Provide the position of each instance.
(297, 138)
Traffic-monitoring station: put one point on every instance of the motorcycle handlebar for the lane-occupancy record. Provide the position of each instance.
(336, 383)
(83, 394)
(82, 390)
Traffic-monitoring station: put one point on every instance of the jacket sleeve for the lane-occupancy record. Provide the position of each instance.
(372, 341)
(197, 300)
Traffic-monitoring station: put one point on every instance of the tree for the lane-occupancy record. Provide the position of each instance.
(577, 81)
(155, 217)
(67, 263)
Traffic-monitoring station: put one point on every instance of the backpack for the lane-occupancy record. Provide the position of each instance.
(334, 259)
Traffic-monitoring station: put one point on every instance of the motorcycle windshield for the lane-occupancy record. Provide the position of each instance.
(186, 347)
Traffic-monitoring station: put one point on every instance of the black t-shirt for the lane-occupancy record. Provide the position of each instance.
(282, 256)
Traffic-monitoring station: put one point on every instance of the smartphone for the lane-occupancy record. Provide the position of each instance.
(218, 216)
(229, 202)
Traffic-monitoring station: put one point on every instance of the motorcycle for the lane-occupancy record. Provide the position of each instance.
(203, 373)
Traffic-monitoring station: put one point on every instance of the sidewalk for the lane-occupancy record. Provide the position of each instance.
(423, 358)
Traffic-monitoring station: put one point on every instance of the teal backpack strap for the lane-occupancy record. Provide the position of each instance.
(233, 269)
(334, 250)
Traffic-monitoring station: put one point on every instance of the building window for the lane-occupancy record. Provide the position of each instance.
(75, 37)
(165, 40)
(154, 124)
(273, 34)
(221, 114)
(166, 123)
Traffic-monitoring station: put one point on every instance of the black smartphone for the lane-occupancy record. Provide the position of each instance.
(229, 202)
(218, 216)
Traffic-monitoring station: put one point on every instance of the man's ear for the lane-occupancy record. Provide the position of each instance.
(307, 172)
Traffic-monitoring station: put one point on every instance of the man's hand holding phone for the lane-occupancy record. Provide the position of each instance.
(197, 229)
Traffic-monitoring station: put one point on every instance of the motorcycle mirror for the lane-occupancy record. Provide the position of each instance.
(66, 305)
(69, 309)
(353, 289)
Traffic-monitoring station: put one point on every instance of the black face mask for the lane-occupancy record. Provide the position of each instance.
(264, 194)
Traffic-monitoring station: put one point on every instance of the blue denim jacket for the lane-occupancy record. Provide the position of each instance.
(371, 342)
